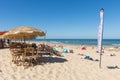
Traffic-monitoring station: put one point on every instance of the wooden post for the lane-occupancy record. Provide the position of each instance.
(45, 37)
(100, 60)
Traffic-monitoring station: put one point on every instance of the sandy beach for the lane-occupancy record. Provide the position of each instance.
(72, 66)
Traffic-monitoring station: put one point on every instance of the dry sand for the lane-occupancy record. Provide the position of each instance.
(70, 67)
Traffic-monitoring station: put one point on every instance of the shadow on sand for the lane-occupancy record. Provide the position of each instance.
(54, 60)
(113, 67)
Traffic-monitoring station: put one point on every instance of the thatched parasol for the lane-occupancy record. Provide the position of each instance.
(23, 32)
(2, 33)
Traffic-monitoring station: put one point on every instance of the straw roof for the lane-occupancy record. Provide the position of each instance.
(24, 32)
(2, 33)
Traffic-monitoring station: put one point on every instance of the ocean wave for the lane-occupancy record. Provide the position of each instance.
(56, 42)
(115, 44)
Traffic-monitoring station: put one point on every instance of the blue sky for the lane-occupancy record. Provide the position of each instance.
(62, 18)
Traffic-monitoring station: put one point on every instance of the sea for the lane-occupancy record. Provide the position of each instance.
(105, 42)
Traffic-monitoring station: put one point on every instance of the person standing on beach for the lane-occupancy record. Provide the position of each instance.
(1, 43)
(8, 41)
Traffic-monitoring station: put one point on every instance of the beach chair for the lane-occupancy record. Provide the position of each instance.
(49, 50)
(29, 57)
(53, 50)
(42, 50)
(16, 53)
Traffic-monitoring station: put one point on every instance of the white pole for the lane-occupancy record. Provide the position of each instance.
(100, 34)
